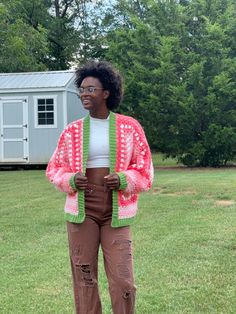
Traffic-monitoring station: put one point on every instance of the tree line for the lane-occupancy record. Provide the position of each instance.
(178, 60)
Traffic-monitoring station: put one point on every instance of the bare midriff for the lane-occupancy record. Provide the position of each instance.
(96, 175)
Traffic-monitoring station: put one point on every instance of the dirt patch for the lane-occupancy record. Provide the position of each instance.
(157, 191)
(185, 193)
(180, 193)
(163, 191)
(225, 202)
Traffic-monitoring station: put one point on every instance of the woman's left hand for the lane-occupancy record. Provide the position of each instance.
(112, 181)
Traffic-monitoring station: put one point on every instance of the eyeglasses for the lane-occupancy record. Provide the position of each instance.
(89, 89)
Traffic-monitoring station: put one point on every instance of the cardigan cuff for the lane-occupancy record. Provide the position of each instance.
(123, 181)
(72, 182)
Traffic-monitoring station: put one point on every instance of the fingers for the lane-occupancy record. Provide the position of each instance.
(112, 181)
(81, 181)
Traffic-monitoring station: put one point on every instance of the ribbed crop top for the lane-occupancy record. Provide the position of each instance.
(98, 155)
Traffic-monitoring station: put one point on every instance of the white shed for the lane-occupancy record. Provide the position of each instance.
(34, 109)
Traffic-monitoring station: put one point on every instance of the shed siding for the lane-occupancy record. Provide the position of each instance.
(43, 140)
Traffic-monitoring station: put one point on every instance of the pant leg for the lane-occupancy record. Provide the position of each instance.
(83, 247)
(118, 262)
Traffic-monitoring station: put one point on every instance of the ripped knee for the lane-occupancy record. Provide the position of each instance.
(82, 270)
(129, 294)
(86, 274)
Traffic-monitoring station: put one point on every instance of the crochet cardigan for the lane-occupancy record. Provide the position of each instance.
(130, 158)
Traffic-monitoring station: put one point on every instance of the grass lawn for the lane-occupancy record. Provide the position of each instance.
(184, 245)
(159, 160)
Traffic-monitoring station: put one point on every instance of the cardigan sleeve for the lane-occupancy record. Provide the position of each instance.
(138, 177)
(59, 171)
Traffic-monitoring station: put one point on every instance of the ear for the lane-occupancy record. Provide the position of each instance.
(106, 94)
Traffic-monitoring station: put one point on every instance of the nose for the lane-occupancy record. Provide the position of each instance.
(85, 92)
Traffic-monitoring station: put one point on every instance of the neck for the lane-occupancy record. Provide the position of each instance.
(100, 115)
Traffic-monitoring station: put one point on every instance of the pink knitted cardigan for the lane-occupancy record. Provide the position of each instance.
(130, 158)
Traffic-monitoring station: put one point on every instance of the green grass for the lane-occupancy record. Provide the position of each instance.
(184, 245)
(160, 160)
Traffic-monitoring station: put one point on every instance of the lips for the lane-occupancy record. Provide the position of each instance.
(86, 102)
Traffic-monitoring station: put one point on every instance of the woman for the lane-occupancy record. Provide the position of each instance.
(102, 162)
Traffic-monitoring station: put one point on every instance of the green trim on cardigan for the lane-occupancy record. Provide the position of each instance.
(123, 181)
(122, 222)
(74, 218)
(72, 182)
(112, 141)
(115, 224)
(81, 203)
(113, 148)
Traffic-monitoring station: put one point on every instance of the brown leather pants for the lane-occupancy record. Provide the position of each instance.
(84, 242)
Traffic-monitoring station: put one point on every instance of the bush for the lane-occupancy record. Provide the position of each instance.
(216, 149)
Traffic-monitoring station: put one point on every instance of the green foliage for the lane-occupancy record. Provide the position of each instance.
(22, 48)
(216, 148)
(53, 35)
(178, 60)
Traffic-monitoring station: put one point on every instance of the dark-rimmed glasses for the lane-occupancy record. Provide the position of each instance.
(89, 89)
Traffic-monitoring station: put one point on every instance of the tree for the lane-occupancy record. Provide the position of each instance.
(209, 77)
(178, 60)
(64, 29)
(58, 17)
(22, 48)
(149, 56)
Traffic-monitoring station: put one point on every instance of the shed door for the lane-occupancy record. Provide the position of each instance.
(14, 130)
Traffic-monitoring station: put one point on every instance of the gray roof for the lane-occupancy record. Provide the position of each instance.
(32, 80)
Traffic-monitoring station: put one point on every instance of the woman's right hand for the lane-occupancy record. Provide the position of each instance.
(80, 181)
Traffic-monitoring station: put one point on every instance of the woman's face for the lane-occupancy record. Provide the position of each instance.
(93, 96)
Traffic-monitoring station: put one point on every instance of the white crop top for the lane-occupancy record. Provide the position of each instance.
(99, 152)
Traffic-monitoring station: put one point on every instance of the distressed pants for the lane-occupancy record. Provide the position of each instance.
(84, 241)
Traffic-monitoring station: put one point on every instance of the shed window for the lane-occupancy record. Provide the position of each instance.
(45, 111)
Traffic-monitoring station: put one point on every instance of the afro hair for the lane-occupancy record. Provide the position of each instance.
(109, 77)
